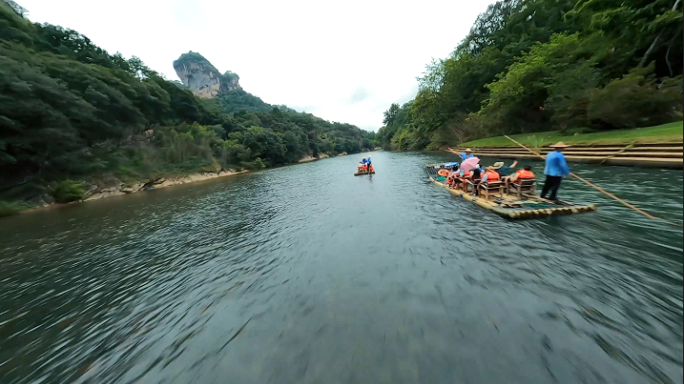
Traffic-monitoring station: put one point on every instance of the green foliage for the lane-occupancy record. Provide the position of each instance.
(240, 100)
(391, 114)
(516, 101)
(8, 208)
(230, 76)
(537, 65)
(636, 100)
(67, 191)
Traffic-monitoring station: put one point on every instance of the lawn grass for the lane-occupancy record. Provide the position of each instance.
(665, 133)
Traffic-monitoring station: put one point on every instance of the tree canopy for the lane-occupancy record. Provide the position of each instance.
(535, 65)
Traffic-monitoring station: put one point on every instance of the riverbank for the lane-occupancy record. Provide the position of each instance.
(118, 188)
(308, 159)
(666, 133)
(109, 185)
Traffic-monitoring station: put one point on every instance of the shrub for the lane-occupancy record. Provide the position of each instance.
(67, 191)
(11, 208)
(636, 100)
(258, 164)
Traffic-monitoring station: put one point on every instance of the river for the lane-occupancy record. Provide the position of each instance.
(306, 274)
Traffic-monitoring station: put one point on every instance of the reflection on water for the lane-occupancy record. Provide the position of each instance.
(308, 274)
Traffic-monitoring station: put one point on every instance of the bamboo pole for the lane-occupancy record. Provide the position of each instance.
(599, 188)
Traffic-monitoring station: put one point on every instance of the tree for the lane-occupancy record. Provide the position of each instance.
(391, 114)
(21, 11)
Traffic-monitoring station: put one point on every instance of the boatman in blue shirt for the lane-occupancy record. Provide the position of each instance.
(467, 154)
(556, 169)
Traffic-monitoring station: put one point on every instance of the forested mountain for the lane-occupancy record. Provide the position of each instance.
(535, 65)
(69, 109)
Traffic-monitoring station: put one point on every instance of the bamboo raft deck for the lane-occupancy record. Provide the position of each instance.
(530, 207)
(364, 173)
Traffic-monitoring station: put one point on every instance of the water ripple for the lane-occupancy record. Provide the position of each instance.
(308, 274)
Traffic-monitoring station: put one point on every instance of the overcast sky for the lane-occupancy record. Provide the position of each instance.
(344, 61)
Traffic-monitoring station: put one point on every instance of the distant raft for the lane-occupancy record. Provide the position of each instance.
(528, 206)
(361, 173)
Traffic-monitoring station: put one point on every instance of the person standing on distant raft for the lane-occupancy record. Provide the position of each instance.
(556, 169)
(467, 154)
(370, 167)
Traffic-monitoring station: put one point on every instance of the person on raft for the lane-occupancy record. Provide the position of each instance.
(474, 176)
(523, 174)
(490, 176)
(453, 178)
(504, 170)
(556, 169)
(365, 166)
(467, 154)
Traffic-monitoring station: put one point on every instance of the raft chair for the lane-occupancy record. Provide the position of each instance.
(470, 185)
(487, 189)
(519, 187)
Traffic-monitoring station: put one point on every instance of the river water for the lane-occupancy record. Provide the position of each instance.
(306, 274)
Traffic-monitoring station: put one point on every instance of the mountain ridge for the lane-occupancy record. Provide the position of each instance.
(202, 78)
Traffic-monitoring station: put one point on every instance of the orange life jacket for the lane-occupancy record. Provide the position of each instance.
(443, 172)
(492, 176)
(525, 175)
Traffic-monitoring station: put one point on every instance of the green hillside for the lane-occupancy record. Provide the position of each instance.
(69, 110)
(532, 66)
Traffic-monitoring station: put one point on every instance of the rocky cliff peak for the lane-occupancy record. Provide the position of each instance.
(202, 78)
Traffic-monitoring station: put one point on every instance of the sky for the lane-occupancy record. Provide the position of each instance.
(344, 61)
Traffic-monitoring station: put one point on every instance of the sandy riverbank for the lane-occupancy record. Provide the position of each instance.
(108, 185)
(111, 186)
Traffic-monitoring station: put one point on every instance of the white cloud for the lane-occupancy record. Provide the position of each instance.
(345, 61)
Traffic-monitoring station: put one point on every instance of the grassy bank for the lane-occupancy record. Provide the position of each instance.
(666, 133)
(8, 208)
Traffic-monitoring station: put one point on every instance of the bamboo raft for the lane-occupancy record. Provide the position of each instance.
(510, 207)
(364, 173)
